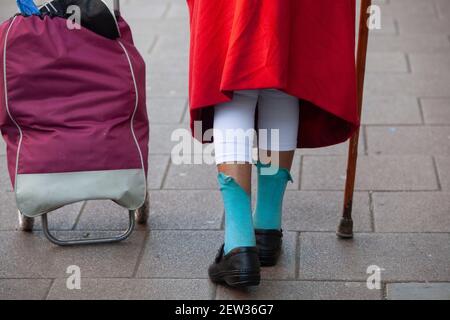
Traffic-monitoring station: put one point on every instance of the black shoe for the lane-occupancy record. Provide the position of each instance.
(238, 268)
(268, 243)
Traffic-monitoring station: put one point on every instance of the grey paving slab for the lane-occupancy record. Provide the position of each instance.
(157, 169)
(337, 149)
(8, 211)
(160, 63)
(164, 137)
(410, 43)
(389, 27)
(418, 291)
(321, 210)
(167, 85)
(414, 84)
(166, 110)
(24, 289)
(412, 211)
(27, 255)
(191, 177)
(134, 289)
(410, 8)
(8, 10)
(178, 10)
(373, 173)
(391, 110)
(172, 45)
(443, 167)
(5, 181)
(178, 209)
(436, 111)
(2, 147)
(104, 215)
(387, 62)
(443, 8)
(144, 44)
(301, 290)
(169, 27)
(179, 254)
(430, 63)
(409, 140)
(404, 257)
(144, 10)
(422, 25)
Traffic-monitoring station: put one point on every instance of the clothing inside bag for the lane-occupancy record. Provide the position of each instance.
(27, 7)
(94, 15)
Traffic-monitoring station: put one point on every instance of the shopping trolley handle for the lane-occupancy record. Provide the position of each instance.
(116, 7)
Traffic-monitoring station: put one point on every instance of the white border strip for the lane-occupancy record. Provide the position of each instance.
(7, 104)
(134, 112)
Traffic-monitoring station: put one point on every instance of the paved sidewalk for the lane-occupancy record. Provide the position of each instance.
(402, 203)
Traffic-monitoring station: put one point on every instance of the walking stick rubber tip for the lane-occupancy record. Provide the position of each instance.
(345, 229)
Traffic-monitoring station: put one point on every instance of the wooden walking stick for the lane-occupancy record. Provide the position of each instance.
(345, 228)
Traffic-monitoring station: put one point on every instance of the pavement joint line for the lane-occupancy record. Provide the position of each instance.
(362, 191)
(297, 254)
(47, 293)
(436, 10)
(364, 137)
(214, 291)
(153, 45)
(409, 68)
(166, 11)
(436, 172)
(383, 290)
(371, 212)
(300, 174)
(165, 173)
(185, 111)
(77, 219)
(222, 220)
(422, 115)
(366, 190)
(406, 125)
(396, 27)
(299, 167)
(415, 281)
(53, 280)
(206, 278)
(141, 254)
(363, 280)
(39, 232)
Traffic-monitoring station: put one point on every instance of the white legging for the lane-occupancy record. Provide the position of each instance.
(234, 122)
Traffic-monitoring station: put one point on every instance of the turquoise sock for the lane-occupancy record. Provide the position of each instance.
(239, 230)
(269, 201)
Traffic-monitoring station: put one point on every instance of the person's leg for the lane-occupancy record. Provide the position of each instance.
(233, 140)
(277, 111)
(237, 262)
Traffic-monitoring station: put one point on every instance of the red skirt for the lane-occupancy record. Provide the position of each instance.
(305, 48)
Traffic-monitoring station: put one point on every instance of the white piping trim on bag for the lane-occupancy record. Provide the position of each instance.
(134, 113)
(7, 104)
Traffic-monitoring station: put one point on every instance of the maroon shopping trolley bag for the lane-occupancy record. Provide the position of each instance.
(73, 113)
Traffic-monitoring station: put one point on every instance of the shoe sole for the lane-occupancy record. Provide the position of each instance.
(268, 258)
(237, 279)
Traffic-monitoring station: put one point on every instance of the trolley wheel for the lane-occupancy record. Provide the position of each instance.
(25, 223)
(143, 212)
